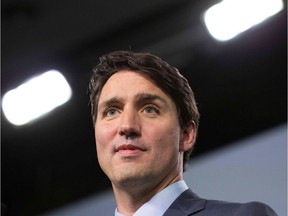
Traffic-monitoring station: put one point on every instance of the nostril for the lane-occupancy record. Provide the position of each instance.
(129, 125)
(132, 135)
(129, 134)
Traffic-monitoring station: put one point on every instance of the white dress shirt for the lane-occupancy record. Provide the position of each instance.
(160, 202)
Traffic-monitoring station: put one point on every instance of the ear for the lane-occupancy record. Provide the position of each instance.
(188, 137)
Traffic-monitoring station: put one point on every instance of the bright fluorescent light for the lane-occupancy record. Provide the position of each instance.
(36, 97)
(228, 18)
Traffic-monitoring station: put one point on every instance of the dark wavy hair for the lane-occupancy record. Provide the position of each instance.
(164, 76)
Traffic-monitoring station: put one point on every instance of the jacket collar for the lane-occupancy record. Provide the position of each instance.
(188, 203)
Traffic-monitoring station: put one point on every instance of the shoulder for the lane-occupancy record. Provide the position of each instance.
(189, 203)
(237, 209)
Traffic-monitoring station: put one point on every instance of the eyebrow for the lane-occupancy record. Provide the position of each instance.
(140, 98)
(148, 97)
(110, 102)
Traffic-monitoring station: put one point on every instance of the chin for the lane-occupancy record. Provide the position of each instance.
(133, 179)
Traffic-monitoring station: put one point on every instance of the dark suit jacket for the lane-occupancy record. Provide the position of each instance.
(189, 203)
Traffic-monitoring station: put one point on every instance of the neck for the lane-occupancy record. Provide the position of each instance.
(130, 198)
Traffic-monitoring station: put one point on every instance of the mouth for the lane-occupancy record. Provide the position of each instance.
(129, 150)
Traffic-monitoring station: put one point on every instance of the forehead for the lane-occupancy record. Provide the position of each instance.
(125, 82)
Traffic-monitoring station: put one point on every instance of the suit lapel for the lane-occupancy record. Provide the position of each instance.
(187, 203)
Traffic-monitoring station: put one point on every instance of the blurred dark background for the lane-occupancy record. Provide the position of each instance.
(240, 85)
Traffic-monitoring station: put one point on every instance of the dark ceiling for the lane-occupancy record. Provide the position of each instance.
(240, 85)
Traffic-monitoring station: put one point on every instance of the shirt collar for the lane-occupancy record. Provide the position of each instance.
(160, 202)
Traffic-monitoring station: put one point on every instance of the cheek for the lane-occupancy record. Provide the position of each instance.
(166, 138)
(102, 139)
(102, 136)
(164, 149)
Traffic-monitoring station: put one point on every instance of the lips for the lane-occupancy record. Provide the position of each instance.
(129, 147)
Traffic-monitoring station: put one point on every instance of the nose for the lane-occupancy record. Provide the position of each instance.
(129, 124)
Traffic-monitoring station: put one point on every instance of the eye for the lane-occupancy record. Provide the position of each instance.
(111, 112)
(150, 109)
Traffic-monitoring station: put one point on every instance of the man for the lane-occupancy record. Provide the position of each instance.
(146, 121)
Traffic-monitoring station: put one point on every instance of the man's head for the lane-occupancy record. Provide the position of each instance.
(159, 72)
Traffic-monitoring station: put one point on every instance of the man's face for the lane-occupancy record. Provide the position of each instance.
(138, 137)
